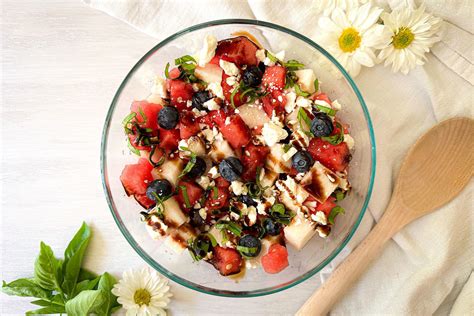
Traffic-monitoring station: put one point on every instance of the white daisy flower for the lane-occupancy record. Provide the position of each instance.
(352, 36)
(413, 32)
(327, 6)
(143, 292)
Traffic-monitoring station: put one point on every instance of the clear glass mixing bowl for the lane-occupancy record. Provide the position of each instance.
(318, 252)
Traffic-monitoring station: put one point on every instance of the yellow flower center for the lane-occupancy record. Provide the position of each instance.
(403, 38)
(142, 297)
(349, 40)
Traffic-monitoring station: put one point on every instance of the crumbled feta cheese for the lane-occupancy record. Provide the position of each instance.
(208, 134)
(234, 216)
(229, 68)
(336, 105)
(290, 153)
(159, 87)
(290, 102)
(216, 88)
(214, 172)
(319, 217)
(271, 200)
(261, 208)
(349, 141)
(197, 205)
(322, 103)
(252, 215)
(273, 132)
(303, 102)
(183, 143)
(227, 121)
(208, 50)
(189, 103)
(203, 213)
(211, 105)
(306, 79)
(238, 188)
(236, 111)
(260, 54)
(204, 182)
(231, 80)
(268, 62)
(280, 55)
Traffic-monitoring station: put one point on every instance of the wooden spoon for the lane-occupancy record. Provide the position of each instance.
(434, 171)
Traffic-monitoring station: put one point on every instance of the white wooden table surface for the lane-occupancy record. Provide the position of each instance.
(61, 64)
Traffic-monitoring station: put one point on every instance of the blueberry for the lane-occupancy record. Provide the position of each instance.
(168, 117)
(252, 76)
(198, 169)
(250, 241)
(247, 200)
(199, 98)
(230, 168)
(321, 125)
(271, 227)
(302, 161)
(195, 219)
(161, 188)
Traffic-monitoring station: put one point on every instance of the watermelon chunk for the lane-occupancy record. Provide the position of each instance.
(334, 157)
(136, 177)
(239, 50)
(233, 128)
(253, 157)
(144, 201)
(327, 206)
(321, 96)
(188, 126)
(222, 183)
(276, 259)
(169, 139)
(216, 201)
(150, 110)
(274, 78)
(180, 93)
(275, 101)
(227, 90)
(193, 191)
(227, 260)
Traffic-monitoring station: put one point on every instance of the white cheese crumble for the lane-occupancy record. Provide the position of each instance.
(261, 208)
(238, 188)
(211, 105)
(280, 55)
(349, 141)
(303, 102)
(231, 80)
(323, 103)
(252, 215)
(216, 88)
(273, 132)
(229, 68)
(290, 153)
(204, 182)
(203, 213)
(214, 172)
(260, 54)
(159, 87)
(336, 105)
(227, 121)
(182, 143)
(208, 50)
(319, 217)
(290, 102)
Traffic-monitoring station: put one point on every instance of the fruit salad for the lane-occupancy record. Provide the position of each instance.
(240, 155)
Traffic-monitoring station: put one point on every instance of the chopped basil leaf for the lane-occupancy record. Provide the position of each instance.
(184, 190)
(339, 195)
(167, 73)
(132, 149)
(189, 165)
(286, 147)
(212, 239)
(278, 208)
(335, 139)
(232, 95)
(303, 117)
(299, 91)
(143, 115)
(184, 59)
(271, 57)
(334, 212)
(292, 65)
(159, 162)
(279, 213)
(128, 118)
(200, 246)
(316, 85)
(216, 192)
(246, 250)
(326, 109)
(229, 226)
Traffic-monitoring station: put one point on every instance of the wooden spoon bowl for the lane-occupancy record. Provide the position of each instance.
(435, 170)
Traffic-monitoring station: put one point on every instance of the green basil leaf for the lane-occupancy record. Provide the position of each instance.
(184, 59)
(188, 166)
(52, 309)
(303, 118)
(85, 274)
(300, 92)
(246, 250)
(335, 139)
(167, 69)
(132, 149)
(271, 57)
(278, 208)
(184, 190)
(85, 303)
(316, 85)
(25, 288)
(326, 109)
(85, 285)
(48, 269)
(106, 284)
(292, 65)
(73, 256)
(215, 192)
(232, 95)
(334, 212)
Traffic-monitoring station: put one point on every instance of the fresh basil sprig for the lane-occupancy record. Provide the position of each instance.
(62, 286)
(280, 214)
(334, 212)
(335, 139)
(303, 117)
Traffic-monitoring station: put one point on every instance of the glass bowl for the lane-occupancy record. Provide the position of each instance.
(200, 276)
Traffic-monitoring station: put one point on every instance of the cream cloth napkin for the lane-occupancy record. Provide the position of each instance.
(425, 268)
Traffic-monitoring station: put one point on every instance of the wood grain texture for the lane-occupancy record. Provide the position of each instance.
(61, 65)
(435, 170)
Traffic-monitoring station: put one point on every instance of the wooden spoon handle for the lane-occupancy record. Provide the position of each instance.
(351, 269)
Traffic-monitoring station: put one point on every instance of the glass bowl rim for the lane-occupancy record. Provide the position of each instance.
(156, 265)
